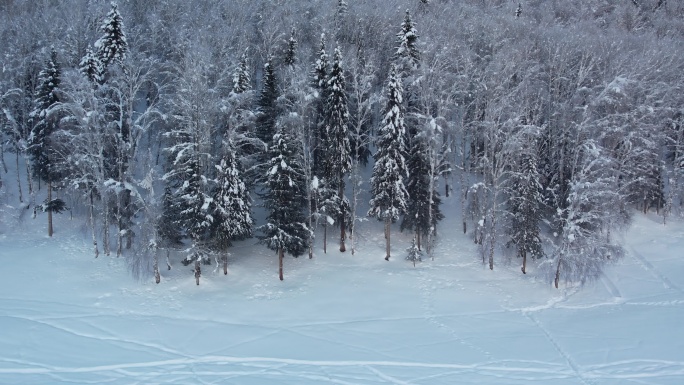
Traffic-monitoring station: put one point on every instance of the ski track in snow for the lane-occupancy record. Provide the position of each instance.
(648, 266)
(610, 286)
(428, 290)
(115, 339)
(567, 357)
(220, 366)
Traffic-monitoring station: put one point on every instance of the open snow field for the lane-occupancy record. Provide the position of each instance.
(66, 317)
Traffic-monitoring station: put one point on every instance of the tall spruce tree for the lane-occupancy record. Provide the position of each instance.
(407, 39)
(338, 160)
(117, 86)
(389, 195)
(190, 155)
(91, 67)
(290, 56)
(422, 211)
(42, 143)
(241, 78)
(286, 229)
(112, 46)
(525, 204)
(231, 205)
(267, 106)
(320, 85)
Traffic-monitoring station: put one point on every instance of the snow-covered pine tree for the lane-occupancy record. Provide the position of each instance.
(407, 41)
(422, 210)
(190, 154)
(116, 86)
(240, 120)
(42, 143)
(267, 111)
(290, 56)
(329, 207)
(342, 8)
(231, 205)
(320, 85)
(338, 160)
(525, 207)
(389, 195)
(339, 18)
(414, 252)
(241, 78)
(286, 230)
(321, 66)
(112, 46)
(91, 67)
(192, 200)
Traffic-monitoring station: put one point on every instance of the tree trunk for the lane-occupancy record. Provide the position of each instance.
(343, 214)
(418, 240)
(168, 263)
(343, 231)
(492, 237)
(105, 227)
(557, 272)
(354, 204)
(198, 270)
(29, 175)
(92, 224)
(281, 256)
(49, 199)
(524, 256)
(225, 264)
(2, 157)
(325, 237)
(127, 224)
(129, 239)
(387, 239)
(313, 224)
(119, 224)
(157, 276)
(21, 196)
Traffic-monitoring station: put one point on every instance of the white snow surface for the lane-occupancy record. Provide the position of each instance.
(66, 317)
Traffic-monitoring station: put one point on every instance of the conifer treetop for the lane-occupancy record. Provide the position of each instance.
(112, 46)
(241, 78)
(407, 39)
(321, 65)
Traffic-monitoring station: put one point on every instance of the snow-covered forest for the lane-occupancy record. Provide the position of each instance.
(179, 127)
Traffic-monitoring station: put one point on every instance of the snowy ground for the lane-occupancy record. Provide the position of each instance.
(66, 317)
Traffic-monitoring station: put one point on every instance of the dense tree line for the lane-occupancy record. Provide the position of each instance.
(550, 123)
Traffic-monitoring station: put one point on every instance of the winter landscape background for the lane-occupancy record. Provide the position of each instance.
(476, 191)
